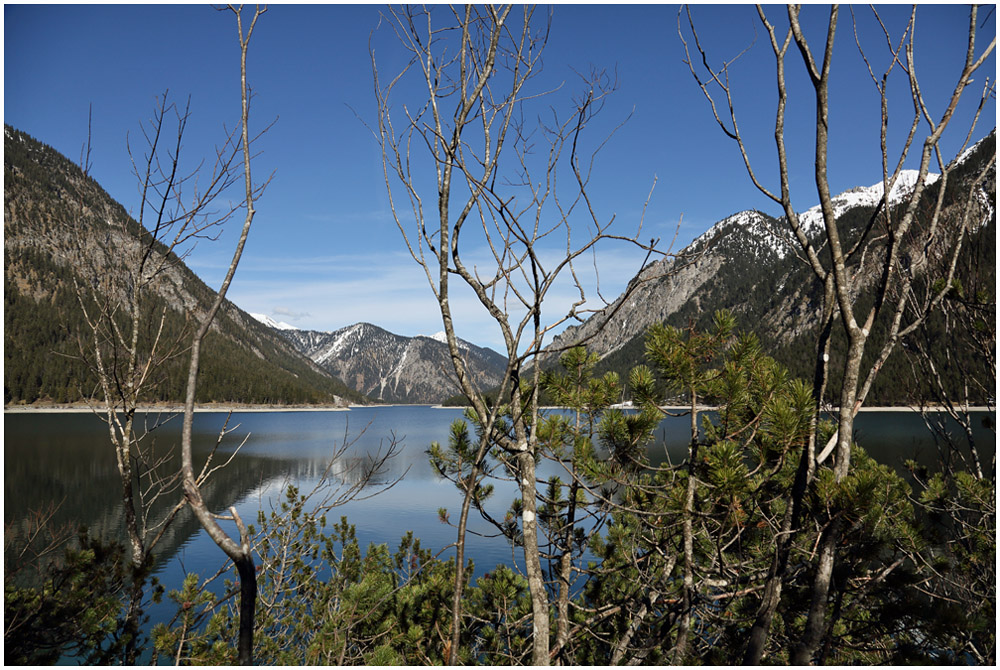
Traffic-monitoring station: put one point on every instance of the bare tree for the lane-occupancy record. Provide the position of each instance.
(130, 339)
(494, 184)
(898, 242)
(240, 553)
(286, 544)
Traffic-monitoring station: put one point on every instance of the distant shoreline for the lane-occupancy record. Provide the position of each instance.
(175, 409)
(178, 409)
(709, 408)
(974, 408)
(886, 408)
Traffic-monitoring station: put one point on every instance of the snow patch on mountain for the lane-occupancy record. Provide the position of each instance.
(753, 226)
(268, 321)
(761, 230)
(442, 337)
(347, 337)
(987, 209)
(968, 152)
(864, 196)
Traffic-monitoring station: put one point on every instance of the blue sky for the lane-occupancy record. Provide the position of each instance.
(325, 253)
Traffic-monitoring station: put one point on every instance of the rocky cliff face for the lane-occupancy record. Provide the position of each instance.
(393, 368)
(685, 284)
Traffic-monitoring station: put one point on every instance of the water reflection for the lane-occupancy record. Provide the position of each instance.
(66, 458)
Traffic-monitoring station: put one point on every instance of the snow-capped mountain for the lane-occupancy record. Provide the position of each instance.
(391, 367)
(268, 321)
(770, 236)
(864, 196)
(750, 264)
(464, 345)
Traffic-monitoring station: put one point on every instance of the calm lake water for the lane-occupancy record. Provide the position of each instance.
(66, 459)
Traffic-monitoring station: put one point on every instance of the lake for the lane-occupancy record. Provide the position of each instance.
(66, 459)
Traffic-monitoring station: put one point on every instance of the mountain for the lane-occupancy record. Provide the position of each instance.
(749, 264)
(271, 323)
(64, 236)
(393, 368)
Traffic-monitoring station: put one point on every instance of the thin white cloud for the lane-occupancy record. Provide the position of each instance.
(289, 313)
(327, 292)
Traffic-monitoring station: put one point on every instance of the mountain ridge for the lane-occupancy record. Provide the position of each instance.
(747, 263)
(394, 368)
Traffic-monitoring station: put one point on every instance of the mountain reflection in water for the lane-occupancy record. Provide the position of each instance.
(66, 459)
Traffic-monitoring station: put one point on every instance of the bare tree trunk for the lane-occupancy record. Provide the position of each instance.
(451, 657)
(802, 654)
(113, 309)
(525, 447)
(241, 553)
(562, 600)
(532, 560)
(815, 620)
(621, 646)
(687, 530)
(566, 567)
(139, 556)
(248, 604)
(759, 631)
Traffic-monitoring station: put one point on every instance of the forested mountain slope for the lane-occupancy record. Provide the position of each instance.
(748, 264)
(62, 234)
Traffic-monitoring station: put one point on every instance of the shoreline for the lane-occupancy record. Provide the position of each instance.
(175, 409)
(880, 408)
(76, 408)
